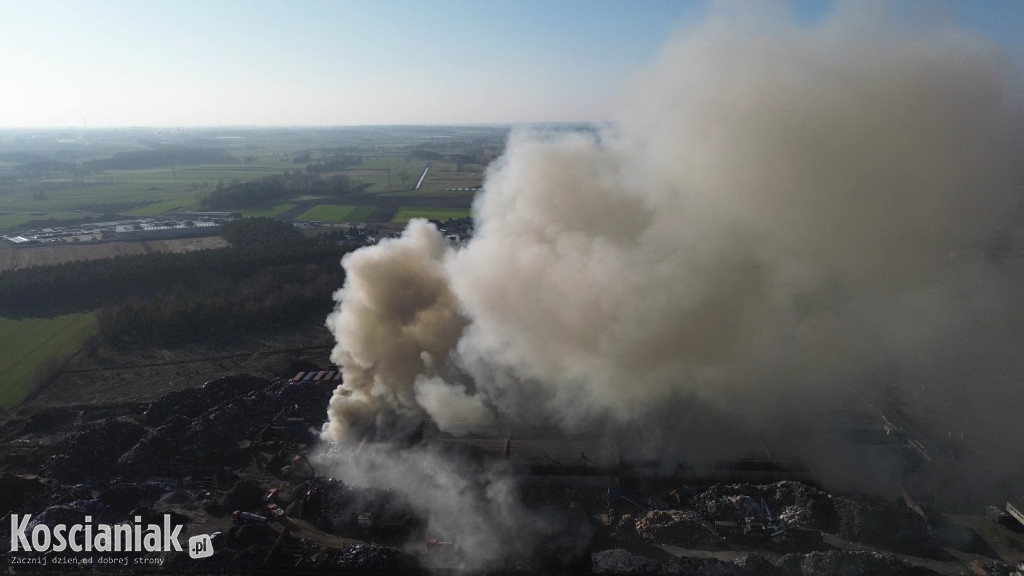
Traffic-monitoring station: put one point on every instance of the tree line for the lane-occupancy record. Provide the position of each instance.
(275, 188)
(270, 277)
(32, 168)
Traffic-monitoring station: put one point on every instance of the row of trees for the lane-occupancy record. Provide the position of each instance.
(270, 277)
(140, 159)
(161, 157)
(217, 308)
(274, 189)
(286, 279)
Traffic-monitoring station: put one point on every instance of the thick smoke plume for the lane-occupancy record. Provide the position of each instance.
(779, 215)
(398, 316)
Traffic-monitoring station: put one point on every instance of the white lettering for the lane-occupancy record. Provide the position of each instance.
(171, 538)
(58, 535)
(41, 537)
(151, 541)
(100, 537)
(103, 538)
(123, 533)
(18, 532)
(72, 540)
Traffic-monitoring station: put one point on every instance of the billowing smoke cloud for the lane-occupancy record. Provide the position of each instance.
(397, 319)
(780, 214)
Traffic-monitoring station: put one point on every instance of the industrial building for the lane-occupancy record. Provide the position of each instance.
(167, 229)
(184, 225)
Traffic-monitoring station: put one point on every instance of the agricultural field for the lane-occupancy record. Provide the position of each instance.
(335, 213)
(54, 178)
(441, 214)
(14, 258)
(271, 212)
(30, 345)
(49, 177)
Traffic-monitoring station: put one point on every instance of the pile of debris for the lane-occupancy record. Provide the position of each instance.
(884, 524)
(785, 514)
(183, 457)
(94, 450)
(782, 504)
(371, 558)
(193, 430)
(24, 492)
(675, 527)
(356, 512)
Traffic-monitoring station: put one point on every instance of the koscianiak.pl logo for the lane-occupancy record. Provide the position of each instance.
(89, 537)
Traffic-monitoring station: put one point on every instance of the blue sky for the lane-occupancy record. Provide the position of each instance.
(340, 62)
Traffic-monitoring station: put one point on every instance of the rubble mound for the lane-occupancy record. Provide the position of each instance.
(244, 495)
(799, 504)
(21, 492)
(884, 524)
(766, 564)
(48, 419)
(193, 402)
(250, 535)
(832, 563)
(365, 557)
(676, 527)
(66, 514)
(209, 439)
(853, 563)
(124, 497)
(94, 449)
(992, 568)
(619, 561)
(790, 503)
(706, 567)
(625, 528)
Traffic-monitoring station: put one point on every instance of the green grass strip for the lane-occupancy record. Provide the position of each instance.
(26, 346)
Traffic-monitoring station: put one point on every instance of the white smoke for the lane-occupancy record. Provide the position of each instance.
(779, 214)
(476, 509)
(395, 319)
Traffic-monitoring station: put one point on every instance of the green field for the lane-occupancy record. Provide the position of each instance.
(376, 161)
(331, 213)
(26, 345)
(441, 214)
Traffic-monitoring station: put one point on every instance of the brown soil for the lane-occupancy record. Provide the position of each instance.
(14, 258)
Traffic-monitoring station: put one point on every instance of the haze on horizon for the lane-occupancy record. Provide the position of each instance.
(100, 63)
